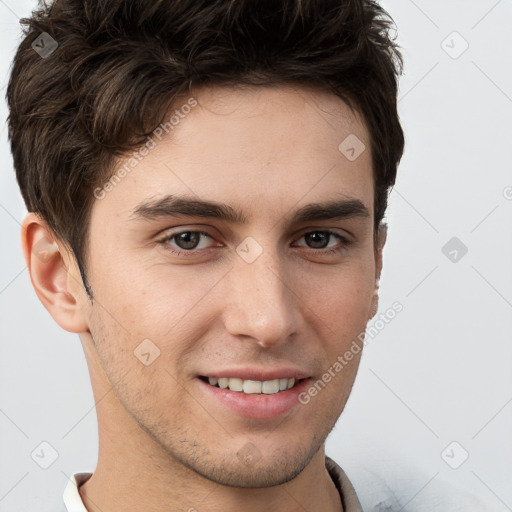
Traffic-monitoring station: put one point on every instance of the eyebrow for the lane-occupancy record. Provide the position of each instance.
(177, 206)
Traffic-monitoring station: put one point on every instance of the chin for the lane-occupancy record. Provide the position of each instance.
(254, 472)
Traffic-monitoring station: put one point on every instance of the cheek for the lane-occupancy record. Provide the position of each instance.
(153, 299)
(148, 311)
(133, 354)
(342, 297)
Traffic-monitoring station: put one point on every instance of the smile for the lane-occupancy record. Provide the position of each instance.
(267, 387)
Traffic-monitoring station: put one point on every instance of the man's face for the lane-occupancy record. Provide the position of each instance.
(271, 298)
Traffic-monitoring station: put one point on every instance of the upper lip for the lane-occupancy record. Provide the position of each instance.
(261, 374)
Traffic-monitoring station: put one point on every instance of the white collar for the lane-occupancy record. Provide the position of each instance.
(72, 499)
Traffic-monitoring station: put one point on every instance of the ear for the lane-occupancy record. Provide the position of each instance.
(53, 273)
(381, 237)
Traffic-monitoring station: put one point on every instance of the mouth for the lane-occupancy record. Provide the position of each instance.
(253, 387)
(252, 392)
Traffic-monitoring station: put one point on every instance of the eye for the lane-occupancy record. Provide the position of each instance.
(319, 239)
(188, 241)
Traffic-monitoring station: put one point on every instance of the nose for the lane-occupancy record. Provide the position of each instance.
(263, 303)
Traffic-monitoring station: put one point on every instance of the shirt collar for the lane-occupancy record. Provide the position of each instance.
(345, 488)
(72, 499)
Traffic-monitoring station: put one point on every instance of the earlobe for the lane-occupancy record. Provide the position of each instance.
(50, 268)
(374, 303)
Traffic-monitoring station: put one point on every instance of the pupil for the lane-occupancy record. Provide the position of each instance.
(316, 239)
(186, 237)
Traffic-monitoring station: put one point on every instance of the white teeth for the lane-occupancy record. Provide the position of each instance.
(236, 384)
(267, 387)
(252, 386)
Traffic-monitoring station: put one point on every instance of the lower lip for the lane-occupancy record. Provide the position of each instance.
(257, 406)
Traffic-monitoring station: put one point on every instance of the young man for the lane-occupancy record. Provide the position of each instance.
(206, 184)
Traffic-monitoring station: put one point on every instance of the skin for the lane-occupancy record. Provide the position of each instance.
(164, 444)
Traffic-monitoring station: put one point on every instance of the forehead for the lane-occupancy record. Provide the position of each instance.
(263, 150)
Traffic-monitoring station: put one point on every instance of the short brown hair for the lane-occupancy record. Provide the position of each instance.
(120, 64)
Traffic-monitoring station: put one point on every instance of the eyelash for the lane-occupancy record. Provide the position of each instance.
(192, 252)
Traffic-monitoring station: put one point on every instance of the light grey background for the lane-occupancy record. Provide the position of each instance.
(439, 372)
